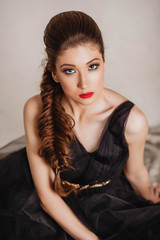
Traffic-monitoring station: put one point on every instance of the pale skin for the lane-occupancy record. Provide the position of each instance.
(84, 72)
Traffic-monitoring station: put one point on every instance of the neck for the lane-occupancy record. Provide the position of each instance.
(78, 111)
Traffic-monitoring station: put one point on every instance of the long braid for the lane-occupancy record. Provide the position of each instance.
(65, 30)
(55, 130)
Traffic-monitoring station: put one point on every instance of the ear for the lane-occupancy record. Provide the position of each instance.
(54, 77)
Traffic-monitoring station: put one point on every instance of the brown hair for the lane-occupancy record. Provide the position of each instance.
(67, 29)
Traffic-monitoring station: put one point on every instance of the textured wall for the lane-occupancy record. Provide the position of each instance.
(132, 39)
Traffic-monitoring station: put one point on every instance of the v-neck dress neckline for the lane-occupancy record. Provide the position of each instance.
(113, 211)
(105, 130)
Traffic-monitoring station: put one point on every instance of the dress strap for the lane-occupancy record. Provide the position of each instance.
(119, 117)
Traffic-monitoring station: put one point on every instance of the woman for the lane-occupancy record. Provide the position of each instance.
(85, 148)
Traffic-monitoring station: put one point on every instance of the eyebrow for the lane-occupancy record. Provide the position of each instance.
(72, 65)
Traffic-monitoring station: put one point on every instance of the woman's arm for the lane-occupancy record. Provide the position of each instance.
(135, 133)
(43, 177)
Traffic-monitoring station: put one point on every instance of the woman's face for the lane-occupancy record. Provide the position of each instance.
(80, 71)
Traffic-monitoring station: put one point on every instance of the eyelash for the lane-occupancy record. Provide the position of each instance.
(96, 65)
(70, 69)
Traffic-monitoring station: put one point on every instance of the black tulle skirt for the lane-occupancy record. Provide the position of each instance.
(112, 212)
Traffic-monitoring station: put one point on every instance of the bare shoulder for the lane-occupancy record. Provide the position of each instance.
(33, 106)
(136, 126)
(31, 112)
(114, 98)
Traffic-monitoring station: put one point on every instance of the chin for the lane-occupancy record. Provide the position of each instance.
(87, 101)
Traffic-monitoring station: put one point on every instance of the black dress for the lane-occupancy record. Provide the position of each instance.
(113, 211)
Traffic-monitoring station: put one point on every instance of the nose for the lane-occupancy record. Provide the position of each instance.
(82, 81)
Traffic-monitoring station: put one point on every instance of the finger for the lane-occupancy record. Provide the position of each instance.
(152, 197)
(156, 191)
(151, 188)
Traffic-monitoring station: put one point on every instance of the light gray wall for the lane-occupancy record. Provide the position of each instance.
(131, 34)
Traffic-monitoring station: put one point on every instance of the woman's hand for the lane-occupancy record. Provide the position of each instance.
(154, 193)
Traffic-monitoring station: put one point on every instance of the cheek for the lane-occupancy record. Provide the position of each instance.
(67, 86)
(98, 79)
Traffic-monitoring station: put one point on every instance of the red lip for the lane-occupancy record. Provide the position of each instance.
(86, 95)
